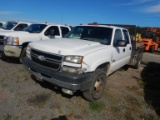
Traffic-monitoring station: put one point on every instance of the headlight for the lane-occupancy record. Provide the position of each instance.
(13, 41)
(28, 52)
(73, 59)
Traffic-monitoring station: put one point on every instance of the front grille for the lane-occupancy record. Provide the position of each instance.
(2, 40)
(1, 37)
(49, 60)
(1, 43)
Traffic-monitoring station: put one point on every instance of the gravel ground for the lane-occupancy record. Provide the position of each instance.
(24, 98)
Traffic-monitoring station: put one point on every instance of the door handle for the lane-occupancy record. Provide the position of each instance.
(124, 50)
(130, 48)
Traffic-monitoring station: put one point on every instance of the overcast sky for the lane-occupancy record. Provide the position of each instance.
(74, 12)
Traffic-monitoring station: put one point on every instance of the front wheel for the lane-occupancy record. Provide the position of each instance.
(97, 87)
(23, 54)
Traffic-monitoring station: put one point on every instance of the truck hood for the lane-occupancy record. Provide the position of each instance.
(1, 29)
(13, 33)
(66, 46)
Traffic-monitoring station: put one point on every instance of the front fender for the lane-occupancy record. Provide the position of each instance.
(93, 60)
(99, 62)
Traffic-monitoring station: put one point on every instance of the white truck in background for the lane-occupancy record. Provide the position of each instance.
(2, 23)
(83, 59)
(14, 26)
(13, 44)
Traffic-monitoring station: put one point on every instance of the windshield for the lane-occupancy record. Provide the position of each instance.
(9, 25)
(91, 33)
(35, 28)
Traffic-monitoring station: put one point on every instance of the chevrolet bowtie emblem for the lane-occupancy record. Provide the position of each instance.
(42, 58)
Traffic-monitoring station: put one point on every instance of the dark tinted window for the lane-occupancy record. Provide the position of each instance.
(9, 25)
(35, 28)
(126, 36)
(53, 28)
(20, 27)
(64, 30)
(1, 24)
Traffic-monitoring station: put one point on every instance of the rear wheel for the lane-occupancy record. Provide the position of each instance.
(23, 54)
(138, 63)
(97, 87)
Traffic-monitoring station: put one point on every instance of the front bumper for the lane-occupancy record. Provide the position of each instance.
(73, 82)
(12, 51)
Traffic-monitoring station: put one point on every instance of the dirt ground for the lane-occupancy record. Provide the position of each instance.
(130, 95)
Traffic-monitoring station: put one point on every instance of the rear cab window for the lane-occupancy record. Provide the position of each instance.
(126, 36)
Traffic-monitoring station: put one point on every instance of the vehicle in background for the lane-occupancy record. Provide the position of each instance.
(151, 39)
(82, 60)
(14, 26)
(2, 23)
(13, 44)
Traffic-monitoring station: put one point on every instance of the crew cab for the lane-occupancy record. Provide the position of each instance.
(83, 59)
(13, 44)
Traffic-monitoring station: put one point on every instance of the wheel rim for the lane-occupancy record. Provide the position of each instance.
(98, 86)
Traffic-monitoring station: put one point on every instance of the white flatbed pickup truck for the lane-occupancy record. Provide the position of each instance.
(13, 44)
(83, 59)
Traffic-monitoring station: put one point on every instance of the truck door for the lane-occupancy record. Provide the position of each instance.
(119, 54)
(128, 49)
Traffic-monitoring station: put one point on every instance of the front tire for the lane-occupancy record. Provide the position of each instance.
(97, 87)
(23, 54)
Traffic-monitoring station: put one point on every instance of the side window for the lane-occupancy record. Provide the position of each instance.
(20, 27)
(126, 36)
(118, 35)
(64, 30)
(52, 28)
(1, 24)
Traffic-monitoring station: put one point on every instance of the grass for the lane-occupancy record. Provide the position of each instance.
(97, 106)
(30, 117)
(133, 88)
(43, 118)
(8, 117)
(4, 84)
